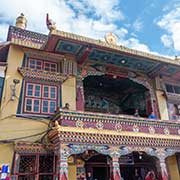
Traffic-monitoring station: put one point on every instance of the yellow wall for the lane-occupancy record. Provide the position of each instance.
(18, 127)
(69, 92)
(72, 172)
(12, 126)
(173, 168)
(6, 154)
(14, 60)
(162, 104)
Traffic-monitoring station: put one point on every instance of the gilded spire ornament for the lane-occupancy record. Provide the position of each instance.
(51, 25)
(21, 21)
(110, 38)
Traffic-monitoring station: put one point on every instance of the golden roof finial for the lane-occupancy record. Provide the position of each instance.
(110, 38)
(21, 21)
(51, 25)
(176, 58)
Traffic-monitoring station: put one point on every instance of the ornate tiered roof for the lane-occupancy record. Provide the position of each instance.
(85, 50)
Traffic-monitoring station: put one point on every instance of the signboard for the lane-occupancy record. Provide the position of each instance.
(4, 171)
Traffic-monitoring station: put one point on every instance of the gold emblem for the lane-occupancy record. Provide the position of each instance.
(111, 38)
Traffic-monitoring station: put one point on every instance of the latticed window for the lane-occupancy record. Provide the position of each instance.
(46, 164)
(27, 164)
(36, 167)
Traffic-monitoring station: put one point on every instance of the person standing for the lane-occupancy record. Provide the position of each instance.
(89, 176)
(136, 113)
(152, 115)
(137, 176)
(150, 176)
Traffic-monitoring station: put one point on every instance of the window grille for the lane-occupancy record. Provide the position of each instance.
(35, 167)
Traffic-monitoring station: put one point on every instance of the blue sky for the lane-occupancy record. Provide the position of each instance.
(147, 25)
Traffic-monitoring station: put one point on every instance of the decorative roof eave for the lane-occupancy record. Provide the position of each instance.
(39, 53)
(112, 47)
(115, 122)
(42, 75)
(4, 44)
(60, 113)
(26, 43)
(26, 38)
(62, 134)
(29, 147)
(58, 129)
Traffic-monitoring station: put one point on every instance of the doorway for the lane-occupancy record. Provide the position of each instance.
(137, 164)
(100, 173)
(89, 161)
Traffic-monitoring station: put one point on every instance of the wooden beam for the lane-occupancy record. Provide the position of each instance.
(157, 70)
(84, 55)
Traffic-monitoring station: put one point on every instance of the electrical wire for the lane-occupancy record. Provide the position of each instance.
(24, 137)
(40, 119)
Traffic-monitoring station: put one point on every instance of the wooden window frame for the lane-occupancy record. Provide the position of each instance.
(36, 60)
(36, 172)
(40, 98)
(43, 64)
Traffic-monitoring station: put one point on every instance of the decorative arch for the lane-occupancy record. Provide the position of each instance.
(99, 70)
(80, 148)
(145, 82)
(160, 153)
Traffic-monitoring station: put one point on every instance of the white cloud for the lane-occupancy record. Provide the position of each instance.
(3, 31)
(121, 33)
(171, 23)
(166, 40)
(64, 15)
(135, 44)
(89, 18)
(107, 10)
(138, 25)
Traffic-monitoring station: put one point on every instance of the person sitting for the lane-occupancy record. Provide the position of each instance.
(136, 113)
(152, 116)
(66, 107)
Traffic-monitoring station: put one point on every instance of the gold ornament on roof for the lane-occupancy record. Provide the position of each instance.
(21, 21)
(111, 38)
(176, 58)
(51, 25)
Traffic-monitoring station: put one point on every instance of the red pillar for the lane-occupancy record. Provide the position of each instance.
(62, 162)
(80, 95)
(116, 175)
(164, 172)
(63, 169)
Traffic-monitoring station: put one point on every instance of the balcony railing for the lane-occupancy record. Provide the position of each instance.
(116, 122)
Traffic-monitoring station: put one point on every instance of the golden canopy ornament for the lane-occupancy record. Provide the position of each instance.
(51, 25)
(21, 21)
(111, 38)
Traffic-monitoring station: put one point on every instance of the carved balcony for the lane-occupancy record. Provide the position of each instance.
(116, 122)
